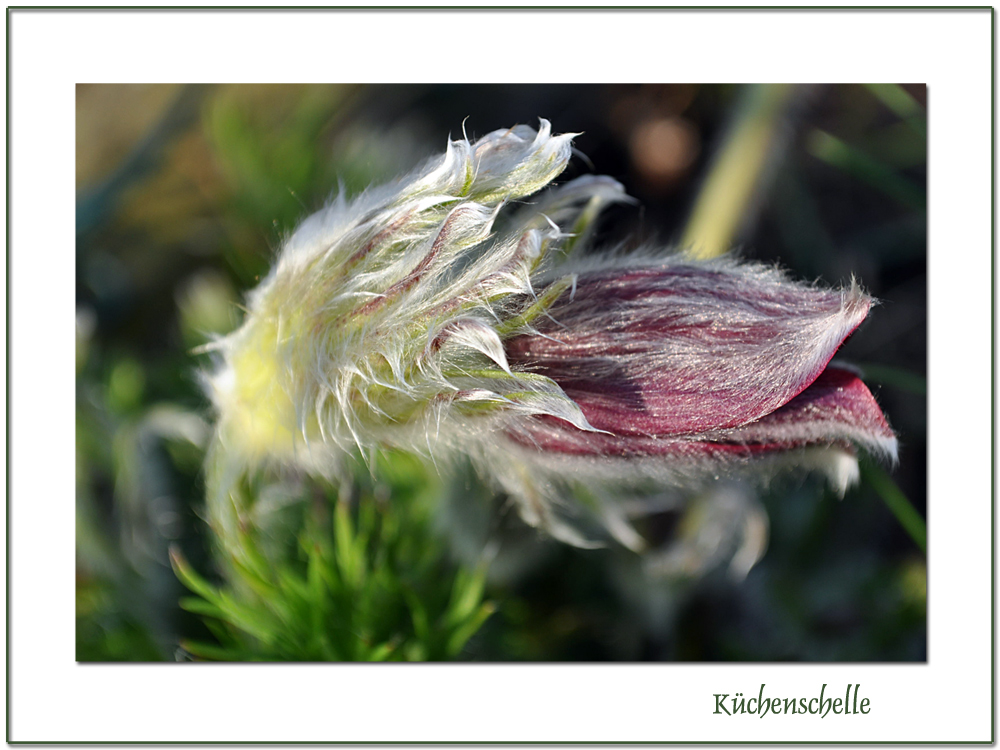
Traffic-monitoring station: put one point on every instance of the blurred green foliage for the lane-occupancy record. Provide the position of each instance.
(366, 581)
(184, 193)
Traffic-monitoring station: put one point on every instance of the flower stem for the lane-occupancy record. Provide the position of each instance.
(737, 169)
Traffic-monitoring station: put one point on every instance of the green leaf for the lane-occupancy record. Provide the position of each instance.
(207, 651)
(187, 575)
(201, 607)
(897, 502)
(838, 154)
(418, 613)
(350, 556)
(382, 652)
(461, 635)
(537, 308)
(895, 377)
(467, 593)
(900, 101)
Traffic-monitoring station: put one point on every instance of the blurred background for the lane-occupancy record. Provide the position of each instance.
(184, 194)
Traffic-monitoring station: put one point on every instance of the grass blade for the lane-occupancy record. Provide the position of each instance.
(897, 502)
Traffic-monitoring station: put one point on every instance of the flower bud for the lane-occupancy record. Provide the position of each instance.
(424, 316)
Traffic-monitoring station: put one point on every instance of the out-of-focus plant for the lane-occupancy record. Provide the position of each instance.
(123, 587)
(356, 576)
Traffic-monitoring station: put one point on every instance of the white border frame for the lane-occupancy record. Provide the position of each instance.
(56, 700)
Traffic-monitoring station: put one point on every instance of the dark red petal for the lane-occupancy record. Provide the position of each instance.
(679, 348)
(836, 409)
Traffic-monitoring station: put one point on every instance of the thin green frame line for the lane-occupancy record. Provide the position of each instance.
(993, 373)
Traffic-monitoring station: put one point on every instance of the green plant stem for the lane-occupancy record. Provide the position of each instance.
(736, 172)
(897, 502)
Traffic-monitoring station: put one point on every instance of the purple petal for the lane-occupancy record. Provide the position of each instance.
(679, 348)
(837, 409)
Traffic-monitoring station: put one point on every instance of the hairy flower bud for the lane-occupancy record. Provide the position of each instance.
(422, 316)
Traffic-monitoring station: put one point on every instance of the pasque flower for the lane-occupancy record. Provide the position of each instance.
(459, 313)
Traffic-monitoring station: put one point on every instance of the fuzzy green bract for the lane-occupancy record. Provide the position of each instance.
(383, 319)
